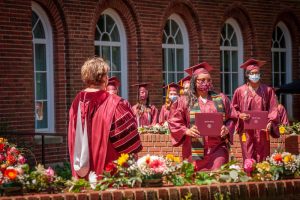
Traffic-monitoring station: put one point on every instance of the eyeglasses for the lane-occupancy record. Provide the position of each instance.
(202, 80)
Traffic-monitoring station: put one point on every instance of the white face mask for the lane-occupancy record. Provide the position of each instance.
(254, 78)
(173, 98)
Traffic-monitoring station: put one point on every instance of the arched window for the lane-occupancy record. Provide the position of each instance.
(175, 49)
(282, 61)
(43, 70)
(231, 55)
(110, 44)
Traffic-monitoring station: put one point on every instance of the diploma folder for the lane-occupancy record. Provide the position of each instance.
(209, 124)
(258, 120)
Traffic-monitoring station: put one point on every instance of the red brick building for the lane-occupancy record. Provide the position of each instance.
(43, 45)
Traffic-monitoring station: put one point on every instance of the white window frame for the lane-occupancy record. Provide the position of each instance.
(49, 62)
(185, 38)
(288, 50)
(123, 48)
(239, 49)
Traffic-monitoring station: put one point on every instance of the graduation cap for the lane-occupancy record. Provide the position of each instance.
(183, 80)
(172, 86)
(114, 81)
(251, 64)
(139, 85)
(201, 68)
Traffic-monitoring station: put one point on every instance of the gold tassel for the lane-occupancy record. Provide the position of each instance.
(244, 138)
(167, 97)
(181, 92)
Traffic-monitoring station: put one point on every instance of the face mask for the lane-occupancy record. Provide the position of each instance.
(254, 78)
(173, 98)
(205, 86)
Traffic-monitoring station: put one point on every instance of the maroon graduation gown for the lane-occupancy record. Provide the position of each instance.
(215, 151)
(257, 144)
(148, 117)
(111, 128)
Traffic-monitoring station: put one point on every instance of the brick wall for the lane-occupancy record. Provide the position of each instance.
(161, 145)
(285, 189)
(73, 24)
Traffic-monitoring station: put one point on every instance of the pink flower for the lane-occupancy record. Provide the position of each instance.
(21, 159)
(158, 166)
(249, 165)
(50, 172)
(2, 157)
(14, 150)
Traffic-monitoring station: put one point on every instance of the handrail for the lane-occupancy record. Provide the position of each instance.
(33, 134)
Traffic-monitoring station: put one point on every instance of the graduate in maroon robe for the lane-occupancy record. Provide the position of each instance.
(171, 96)
(101, 126)
(185, 84)
(113, 85)
(214, 152)
(146, 113)
(283, 116)
(255, 96)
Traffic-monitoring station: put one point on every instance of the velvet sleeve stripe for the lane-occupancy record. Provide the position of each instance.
(121, 133)
(122, 120)
(134, 148)
(127, 139)
(129, 145)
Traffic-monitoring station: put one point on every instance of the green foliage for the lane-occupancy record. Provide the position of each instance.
(78, 185)
(220, 196)
(64, 171)
(188, 196)
(204, 178)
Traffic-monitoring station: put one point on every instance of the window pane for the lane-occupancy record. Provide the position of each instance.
(97, 50)
(229, 31)
(279, 33)
(116, 56)
(165, 59)
(100, 23)
(34, 19)
(171, 59)
(283, 62)
(179, 38)
(283, 78)
(227, 83)
(41, 116)
(171, 77)
(40, 57)
(109, 23)
(276, 80)
(223, 32)
(115, 36)
(165, 78)
(170, 40)
(276, 61)
(222, 87)
(226, 61)
(38, 32)
(41, 86)
(174, 27)
(106, 54)
(167, 28)
(221, 60)
(179, 76)
(234, 82)
(282, 42)
(234, 41)
(234, 61)
(105, 37)
(179, 59)
(97, 34)
(226, 43)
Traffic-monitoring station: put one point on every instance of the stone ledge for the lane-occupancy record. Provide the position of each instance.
(285, 189)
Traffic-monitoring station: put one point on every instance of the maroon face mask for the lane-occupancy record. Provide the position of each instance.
(204, 86)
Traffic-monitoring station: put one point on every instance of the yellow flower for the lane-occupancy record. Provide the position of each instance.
(1, 140)
(282, 130)
(170, 157)
(177, 159)
(123, 159)
(287, 159)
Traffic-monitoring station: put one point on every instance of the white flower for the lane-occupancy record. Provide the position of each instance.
(236, 167)
(93, 179)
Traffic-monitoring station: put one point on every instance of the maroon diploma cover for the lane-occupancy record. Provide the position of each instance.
(209, 124)
(258, 120)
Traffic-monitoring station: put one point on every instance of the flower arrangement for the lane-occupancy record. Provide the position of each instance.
(12, 164)
(156, 129)
(249, 166)
(292, 129)
(262, 172)
(42, 179)
(152, 166)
